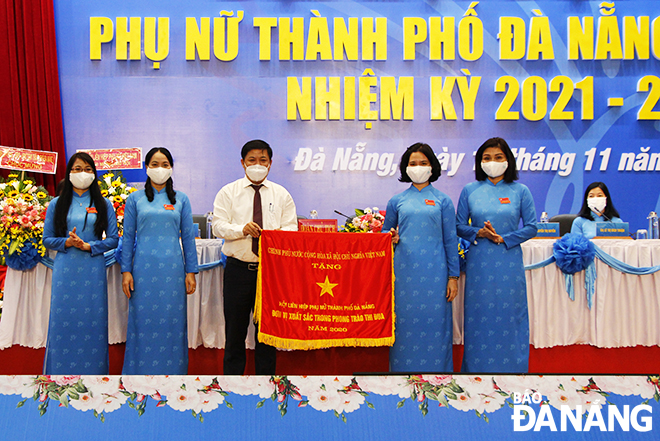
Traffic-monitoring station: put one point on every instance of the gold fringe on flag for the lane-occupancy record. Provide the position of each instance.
(286, 343)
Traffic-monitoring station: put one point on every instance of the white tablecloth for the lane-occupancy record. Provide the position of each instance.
(26, 305)
(626, 308)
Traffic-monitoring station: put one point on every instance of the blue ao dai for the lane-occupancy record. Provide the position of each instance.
(496, 323)
(427, 253)
(587, 227)
(157, 337)
(78, 324)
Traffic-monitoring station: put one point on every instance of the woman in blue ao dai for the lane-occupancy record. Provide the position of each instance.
(75, 224)
(156, 274)
(422, 222)
(597, 207)
(489, 213)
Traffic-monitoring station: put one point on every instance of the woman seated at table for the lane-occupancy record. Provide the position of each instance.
(597, 206)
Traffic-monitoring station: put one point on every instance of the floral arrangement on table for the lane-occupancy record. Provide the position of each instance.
(114, 188)
(339, 395)
(22, 213)
(369, 220)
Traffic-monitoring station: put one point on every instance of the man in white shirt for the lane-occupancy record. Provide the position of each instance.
(240, 211)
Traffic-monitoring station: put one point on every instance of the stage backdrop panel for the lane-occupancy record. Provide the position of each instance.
(341, 88)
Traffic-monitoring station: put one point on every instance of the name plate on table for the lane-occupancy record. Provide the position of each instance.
(547, 229)
(307, 295)
(612, 229)
(318, 225)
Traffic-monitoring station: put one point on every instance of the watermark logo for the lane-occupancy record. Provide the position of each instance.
(609, 418)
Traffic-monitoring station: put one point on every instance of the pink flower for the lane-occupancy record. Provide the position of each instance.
(65, 380)
(437, 380)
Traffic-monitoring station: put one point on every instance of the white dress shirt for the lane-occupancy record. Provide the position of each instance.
(233, 208)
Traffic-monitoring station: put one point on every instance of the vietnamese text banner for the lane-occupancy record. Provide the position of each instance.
(317, 290)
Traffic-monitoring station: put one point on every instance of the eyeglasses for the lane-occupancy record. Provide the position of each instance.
(80, 169)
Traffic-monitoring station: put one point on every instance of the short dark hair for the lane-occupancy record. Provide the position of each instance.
(511, 173)
(427, 151)
(609, 210)
(256, 144)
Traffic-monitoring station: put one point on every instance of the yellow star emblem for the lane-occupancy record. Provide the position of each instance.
(326, 287)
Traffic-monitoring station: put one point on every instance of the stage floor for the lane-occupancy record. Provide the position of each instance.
(576, 359)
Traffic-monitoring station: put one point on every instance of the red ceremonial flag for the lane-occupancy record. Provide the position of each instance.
(317, 290)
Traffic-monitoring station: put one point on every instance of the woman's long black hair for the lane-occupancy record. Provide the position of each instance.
(64, 201)
(169, 185)
(609, 210)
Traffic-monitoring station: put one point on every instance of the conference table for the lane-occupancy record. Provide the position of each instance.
(625, 311)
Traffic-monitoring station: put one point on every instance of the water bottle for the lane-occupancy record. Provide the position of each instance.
(654, 232)
(544, 218)
(209, 225)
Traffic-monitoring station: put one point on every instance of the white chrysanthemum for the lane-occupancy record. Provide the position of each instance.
(111, 402)
(86, 401)
(349, 401)
(389, 385)
(324, 400)
(183, 400)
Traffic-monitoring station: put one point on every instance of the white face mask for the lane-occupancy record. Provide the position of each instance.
(597, 204)
(256, 173)
(82, 180)
(159, 175)
(494, 169)
(419, 174)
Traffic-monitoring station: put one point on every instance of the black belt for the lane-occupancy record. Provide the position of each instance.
(252, 266)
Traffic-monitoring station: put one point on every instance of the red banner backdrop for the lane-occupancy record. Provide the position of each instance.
(28, 160)
(318, 290)
(116, 159)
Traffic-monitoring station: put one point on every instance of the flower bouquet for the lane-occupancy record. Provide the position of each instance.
(114, 187)
(22, 213)
(369, 220)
